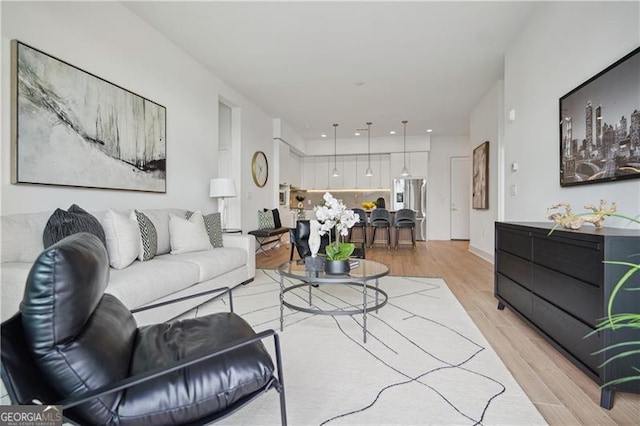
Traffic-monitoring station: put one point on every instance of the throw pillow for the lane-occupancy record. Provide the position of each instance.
(123, 238)
(188, 235)
(265, 220)
(148, 236)
(276, 218)
(214, 227)
(160, 220)
(62, 223)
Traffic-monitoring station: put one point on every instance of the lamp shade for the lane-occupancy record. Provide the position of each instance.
(222, 188)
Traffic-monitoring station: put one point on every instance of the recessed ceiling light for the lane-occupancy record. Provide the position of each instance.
(429, 130)
(357, 133)
(323, 136)
(393, 132)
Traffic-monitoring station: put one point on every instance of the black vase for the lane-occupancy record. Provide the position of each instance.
(337, 267)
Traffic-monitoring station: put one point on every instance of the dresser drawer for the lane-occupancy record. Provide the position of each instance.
(514, 294)
(517, 242)
(582, 300)
(580, 259)
(569, 333)
(514, 267)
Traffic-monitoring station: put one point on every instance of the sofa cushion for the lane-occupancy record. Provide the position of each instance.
(13, 276)
(188, 235)
(144, 282)
(211, 385)
(22, 236)
(148, 236)
(123, 238)
(62, 223)
(213, 263)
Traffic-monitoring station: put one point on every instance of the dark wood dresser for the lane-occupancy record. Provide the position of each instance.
(560, 285)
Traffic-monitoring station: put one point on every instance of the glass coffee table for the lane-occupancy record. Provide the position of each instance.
(359, 276)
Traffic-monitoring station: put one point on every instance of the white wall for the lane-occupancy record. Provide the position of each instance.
(562, 46)
(123, 49)
(439, 183)
(485, 125)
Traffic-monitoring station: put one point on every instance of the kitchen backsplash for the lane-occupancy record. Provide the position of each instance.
(351, 199)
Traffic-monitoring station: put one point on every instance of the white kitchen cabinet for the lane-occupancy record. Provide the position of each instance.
(385, 179)
(295, 174)
(336, 182)
(309, 172)
(322, 171)
(349, 171)
(395, 164)
(362, 181)
(284, 168)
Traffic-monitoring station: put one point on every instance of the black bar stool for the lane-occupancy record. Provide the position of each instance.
(361, 224)
(381, 219)
(406, 219)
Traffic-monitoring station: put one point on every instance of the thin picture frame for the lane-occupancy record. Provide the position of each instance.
(480, 197)
(599, 126)
(72, 128)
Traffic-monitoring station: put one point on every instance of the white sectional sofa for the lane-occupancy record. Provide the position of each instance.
(165, 277)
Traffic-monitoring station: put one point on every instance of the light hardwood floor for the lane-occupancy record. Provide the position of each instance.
(561, 392)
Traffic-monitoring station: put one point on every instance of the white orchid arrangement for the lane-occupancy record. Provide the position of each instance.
(333, 213)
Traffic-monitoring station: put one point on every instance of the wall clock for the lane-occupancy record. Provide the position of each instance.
(260, 168)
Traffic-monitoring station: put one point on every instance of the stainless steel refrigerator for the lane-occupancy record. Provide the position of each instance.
(412, 194)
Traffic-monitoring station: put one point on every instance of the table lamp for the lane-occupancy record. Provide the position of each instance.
(222, 188)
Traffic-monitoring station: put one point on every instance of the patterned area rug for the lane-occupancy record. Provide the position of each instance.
(425, 361)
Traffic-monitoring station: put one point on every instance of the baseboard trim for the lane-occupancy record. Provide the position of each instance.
(482, 254)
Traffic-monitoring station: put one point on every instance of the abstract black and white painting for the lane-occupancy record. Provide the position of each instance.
(72, 128)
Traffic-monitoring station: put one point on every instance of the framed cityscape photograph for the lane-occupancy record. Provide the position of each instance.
(72, 128)
(600, 126)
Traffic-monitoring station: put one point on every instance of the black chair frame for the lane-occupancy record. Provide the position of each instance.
(13, 341)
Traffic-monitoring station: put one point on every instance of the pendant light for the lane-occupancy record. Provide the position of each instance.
(369, 172)
(404, 171)
(335, 156)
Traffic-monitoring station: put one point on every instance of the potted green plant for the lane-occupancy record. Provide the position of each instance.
(333, 214)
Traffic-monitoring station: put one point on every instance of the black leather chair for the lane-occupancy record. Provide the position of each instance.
(405, 219)
(299, 237)
(75, 346)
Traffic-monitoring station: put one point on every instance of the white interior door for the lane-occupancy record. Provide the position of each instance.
(460, 197)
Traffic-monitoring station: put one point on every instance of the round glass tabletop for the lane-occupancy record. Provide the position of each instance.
(363, 270)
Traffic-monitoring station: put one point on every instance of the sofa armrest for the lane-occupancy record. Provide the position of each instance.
(247, 242)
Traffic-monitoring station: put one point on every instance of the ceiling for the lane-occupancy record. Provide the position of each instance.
(317, 63)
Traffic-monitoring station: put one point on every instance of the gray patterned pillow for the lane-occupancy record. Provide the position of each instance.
(62, 223)
(148, 236)
(265, 220)
(214, 227)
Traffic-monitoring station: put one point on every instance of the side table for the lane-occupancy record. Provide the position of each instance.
(232, 231)
(366, 270)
